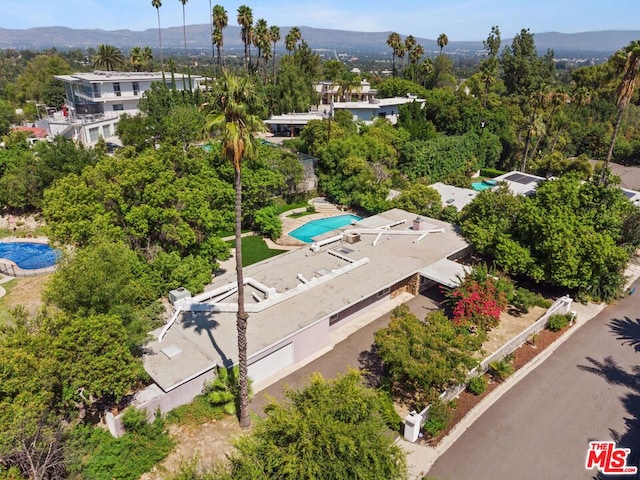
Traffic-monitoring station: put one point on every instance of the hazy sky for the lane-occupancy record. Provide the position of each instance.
(459, 19)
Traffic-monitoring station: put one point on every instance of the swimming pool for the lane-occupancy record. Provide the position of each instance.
(311, 229)
(29, 255)
(483, 185)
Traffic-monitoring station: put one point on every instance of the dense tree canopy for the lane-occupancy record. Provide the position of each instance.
(551, 236)
(329, 429)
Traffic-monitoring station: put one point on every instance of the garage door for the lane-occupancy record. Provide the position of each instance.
(271, 364)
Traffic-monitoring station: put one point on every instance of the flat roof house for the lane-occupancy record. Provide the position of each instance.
(96, 100)
(297, 299)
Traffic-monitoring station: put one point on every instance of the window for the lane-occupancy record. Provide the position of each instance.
(118, 107)
(384, 292)
(334, 319)
(116, 89)
(136, 88)
(106, 131)
(94, 134)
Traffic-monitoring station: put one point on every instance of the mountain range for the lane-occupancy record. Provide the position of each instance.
(586, 44)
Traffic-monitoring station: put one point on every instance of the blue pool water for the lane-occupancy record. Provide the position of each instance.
(484, 185)
(314, 228)
(29, 256)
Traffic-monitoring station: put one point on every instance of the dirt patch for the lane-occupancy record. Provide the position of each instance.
(511, 324)
(25, 292)
(208, 443)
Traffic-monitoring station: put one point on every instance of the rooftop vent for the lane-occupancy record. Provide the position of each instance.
(179, 294)
(418, 224)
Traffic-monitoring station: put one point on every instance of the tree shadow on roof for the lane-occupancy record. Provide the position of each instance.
(627, 330)
(205, 322)
(630, 438)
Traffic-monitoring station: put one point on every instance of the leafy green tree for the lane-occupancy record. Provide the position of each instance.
(440, 157)
(93, 359)
(106, 278)
(329, 429)
(626, 62)
(523, 71)
(425, 357)
(393, 40)
(37, 82)
(268, 223)
(420, 199)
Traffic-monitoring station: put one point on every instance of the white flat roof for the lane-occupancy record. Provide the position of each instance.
(102, 76)
(520, 183)
(456, 196)
(207, 338)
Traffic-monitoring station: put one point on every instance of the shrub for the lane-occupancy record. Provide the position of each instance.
(268, 223)
(491, 172)
(523, 299)
(95, 454)
(438, 417)
(501, 369)
(477, 385)
(479, 303)
(558, 322)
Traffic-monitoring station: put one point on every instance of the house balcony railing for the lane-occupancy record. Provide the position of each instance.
(108, 96)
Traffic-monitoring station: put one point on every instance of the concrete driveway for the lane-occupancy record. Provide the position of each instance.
(352, 352)
(588, 390)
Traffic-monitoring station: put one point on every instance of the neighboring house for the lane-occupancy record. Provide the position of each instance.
(296, 300)
(368, 111)
(456, 196)
(331, 92)
(95, 101)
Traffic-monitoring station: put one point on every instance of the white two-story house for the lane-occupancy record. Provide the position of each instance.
(95, 101)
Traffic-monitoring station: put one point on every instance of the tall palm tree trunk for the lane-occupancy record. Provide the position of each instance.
(160, 43)
(242, 316)
(612, 143)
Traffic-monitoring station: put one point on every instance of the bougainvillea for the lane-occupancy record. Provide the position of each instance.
(478, 303)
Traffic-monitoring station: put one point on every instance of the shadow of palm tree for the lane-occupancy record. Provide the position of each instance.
(630, 438)
(627, 330)
(205, 322)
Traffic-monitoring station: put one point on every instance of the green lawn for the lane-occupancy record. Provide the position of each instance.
(254, 250)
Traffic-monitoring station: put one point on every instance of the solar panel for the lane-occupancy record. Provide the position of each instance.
(521, 178)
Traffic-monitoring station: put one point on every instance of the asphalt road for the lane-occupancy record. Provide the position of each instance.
(588, 390)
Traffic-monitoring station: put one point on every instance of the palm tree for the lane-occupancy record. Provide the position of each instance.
(274, 33)
(157, 4)
(261, 39)
(184, 35)
(626, 62)
(108, 58)
(443, 41)
(220, 22)
(232, 98)
(245, 20)
(135, 58)
(147, 58)
(393, 40)
(414, 57)
(292, 39)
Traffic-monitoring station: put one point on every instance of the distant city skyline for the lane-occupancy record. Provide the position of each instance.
(460, 20)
